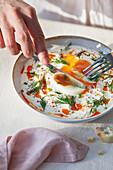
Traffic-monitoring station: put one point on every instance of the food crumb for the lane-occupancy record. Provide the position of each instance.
(101, 153)
(91, 139)
(97, 129)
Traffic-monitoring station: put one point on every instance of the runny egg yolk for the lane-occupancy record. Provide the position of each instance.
(63, 80)
(80, 65)
(76, 65)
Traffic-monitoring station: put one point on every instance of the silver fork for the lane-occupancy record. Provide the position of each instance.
(107, 60)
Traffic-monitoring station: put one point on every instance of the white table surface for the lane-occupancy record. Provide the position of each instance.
(15, 115)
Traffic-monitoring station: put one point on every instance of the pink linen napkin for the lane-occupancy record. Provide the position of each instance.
(27, 149)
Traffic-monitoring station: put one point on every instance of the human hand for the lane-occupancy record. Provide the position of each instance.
(17, 16)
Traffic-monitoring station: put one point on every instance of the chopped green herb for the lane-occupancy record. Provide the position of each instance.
(60, 115)
(111, 86)
(103, 92)
(79, 95)
(33, 74)
(95, 59)
(88, 54)
(72, 111)
(33, 84)
(25, 83)
(105, 107)
(94, 110)
(43, 103)
(95, 79)
(44, 70)
(66, 100)
(96, 103)
(50, 89)
(36, 89)
(56, 60)
(65, 76)
(63, 62)
(22, 91)
(88, 102)
(101, 53)
(59, 83)
(28, 93)
(51, 94)
(61, 49)
(51, 68)
(58, 92)
(67, 46)
(60, 60)
(108, 76)
(38, 65)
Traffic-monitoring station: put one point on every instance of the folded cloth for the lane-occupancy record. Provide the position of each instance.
(27, 149)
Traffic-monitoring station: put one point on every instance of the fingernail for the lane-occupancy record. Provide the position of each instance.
(45, 61)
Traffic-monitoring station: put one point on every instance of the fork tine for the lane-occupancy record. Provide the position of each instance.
(95, 67)
(98, 69)
(94, 64)
(101, 72)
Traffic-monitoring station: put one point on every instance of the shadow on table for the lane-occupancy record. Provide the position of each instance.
(82, 134)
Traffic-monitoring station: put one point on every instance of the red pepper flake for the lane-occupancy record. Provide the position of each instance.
(44, 89)
(71, 51)
(51, 56)
(65, 111)
(28, 102)
(77, 107)
(105, 88)
(95, 114)
(106, 101)
(23, 68)
(61, 115)
(86, 90)
(29, 68)
(29, 75)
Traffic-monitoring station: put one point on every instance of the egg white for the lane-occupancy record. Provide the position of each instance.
(68, 90)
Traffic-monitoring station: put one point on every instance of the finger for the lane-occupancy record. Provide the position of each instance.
(37, 35)
(9, 38)
(2, 44)
(40, 46)
(23, 35)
